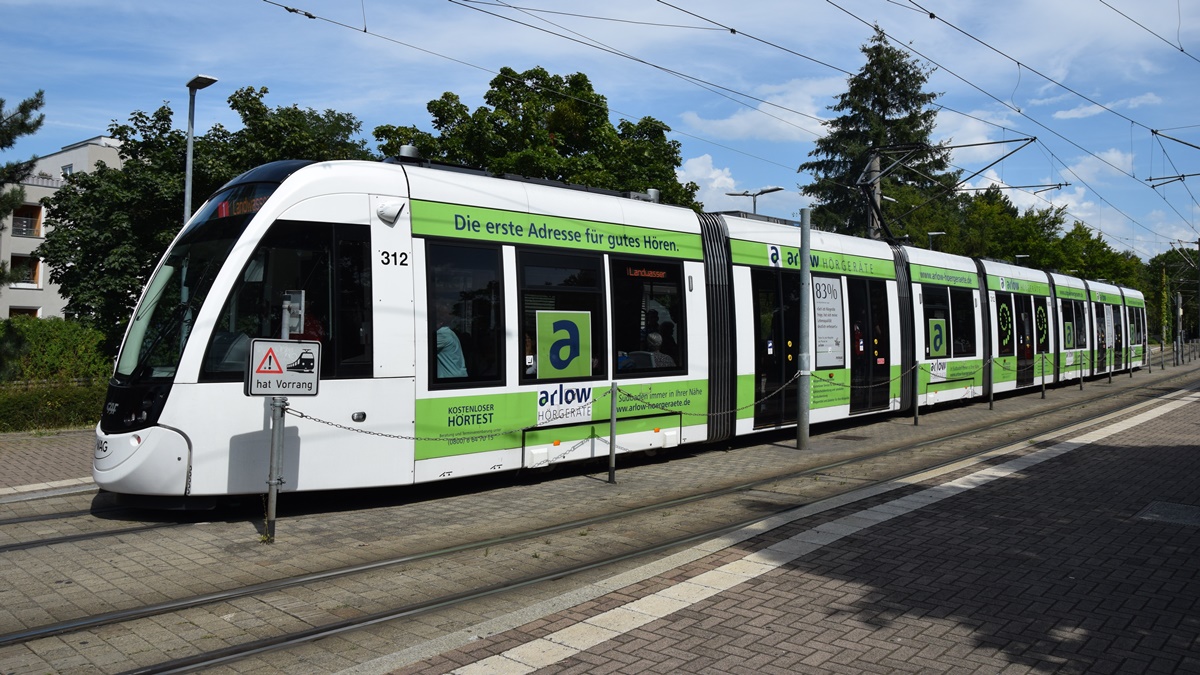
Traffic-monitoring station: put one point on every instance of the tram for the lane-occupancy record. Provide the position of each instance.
(471, 324)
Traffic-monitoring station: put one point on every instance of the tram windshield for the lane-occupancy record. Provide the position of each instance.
(163, 319)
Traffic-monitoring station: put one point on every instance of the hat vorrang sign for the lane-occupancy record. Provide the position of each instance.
(283, 368)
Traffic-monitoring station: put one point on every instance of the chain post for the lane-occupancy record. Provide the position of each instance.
(916, 395)
(991, 389)
(1043, 374)
(612, 437)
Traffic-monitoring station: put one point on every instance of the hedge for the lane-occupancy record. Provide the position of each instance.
(33, 349)
(29, 408)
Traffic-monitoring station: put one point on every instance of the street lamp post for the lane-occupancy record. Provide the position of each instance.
(931, 236)
(195, 84)
(754, 196)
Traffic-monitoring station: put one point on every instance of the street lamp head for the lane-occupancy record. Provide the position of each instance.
(769, 189)
(200, 82)
(744, 193)
(195, 84)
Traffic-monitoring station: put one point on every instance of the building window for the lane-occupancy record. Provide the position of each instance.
(23, 311)
(27, 221)
(24, 269)
(67, 170)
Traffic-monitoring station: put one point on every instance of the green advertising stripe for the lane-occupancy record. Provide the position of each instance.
(462, 425)
(922, 274)
(579, 432)
(1018, 286)
(1105, 298)
(773, 255)
(1134, 302)
(1068, 293)
(476, 223)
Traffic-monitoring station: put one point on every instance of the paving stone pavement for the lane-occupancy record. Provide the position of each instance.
(1049, 569)
(1083, 557)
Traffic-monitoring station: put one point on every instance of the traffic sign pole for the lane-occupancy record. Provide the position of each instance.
(277, 367)
(278, 405)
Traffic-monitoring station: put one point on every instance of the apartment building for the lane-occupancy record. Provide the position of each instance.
(32, 293)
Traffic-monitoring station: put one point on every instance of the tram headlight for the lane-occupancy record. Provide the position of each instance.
(135, 440)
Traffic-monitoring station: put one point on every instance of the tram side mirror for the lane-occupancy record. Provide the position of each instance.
(390, 213)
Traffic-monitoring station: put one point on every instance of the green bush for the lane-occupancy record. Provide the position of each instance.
(51, 407)
(50, 350)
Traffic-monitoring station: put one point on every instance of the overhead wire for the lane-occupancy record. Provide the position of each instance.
(1019, 112)
(653, 24)
(737, 31)
(1008, 105)
(1090, 100)
(710, 86)
(1139, 25)
(333, 22)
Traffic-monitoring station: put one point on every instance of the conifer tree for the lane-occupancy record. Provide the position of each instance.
(885, 107)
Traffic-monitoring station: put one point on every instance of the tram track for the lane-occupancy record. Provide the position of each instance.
(466, 558)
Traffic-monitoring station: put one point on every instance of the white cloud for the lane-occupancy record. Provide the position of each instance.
(1104, 164)
(1093, 109)
(714, 182)
(807, 98)
(1079, 112)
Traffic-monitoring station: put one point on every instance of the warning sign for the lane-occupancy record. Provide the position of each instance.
(283, 368)
(269, 364)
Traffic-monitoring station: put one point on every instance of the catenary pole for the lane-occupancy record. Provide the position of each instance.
(805, 384)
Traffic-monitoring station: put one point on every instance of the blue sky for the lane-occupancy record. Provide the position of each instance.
(1089, 78)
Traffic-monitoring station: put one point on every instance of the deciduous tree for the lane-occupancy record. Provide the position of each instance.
(112, 225)
(540, 125)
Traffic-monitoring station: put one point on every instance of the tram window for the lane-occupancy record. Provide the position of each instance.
(1135, 326)
(330, 264)
(1069, 325)
(648, 320)
(466, 315)
(936, 301)
(1081, 324)
(1005, 325)
(560, 297)
(962, 321)
(1041, 325)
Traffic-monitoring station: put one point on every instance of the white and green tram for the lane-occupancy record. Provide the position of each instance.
(471, 324)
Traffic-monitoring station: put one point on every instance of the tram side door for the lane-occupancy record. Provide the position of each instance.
(870, 355)
(1024, 340)
(1118, 337)
(776, 345)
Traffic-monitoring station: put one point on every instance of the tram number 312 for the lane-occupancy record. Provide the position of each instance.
(394, 258)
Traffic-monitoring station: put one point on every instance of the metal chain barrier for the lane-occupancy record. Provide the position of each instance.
(623, 394)
(483, 436)
(852, 386)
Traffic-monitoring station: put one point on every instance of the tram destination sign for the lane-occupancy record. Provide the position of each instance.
(283, 368)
